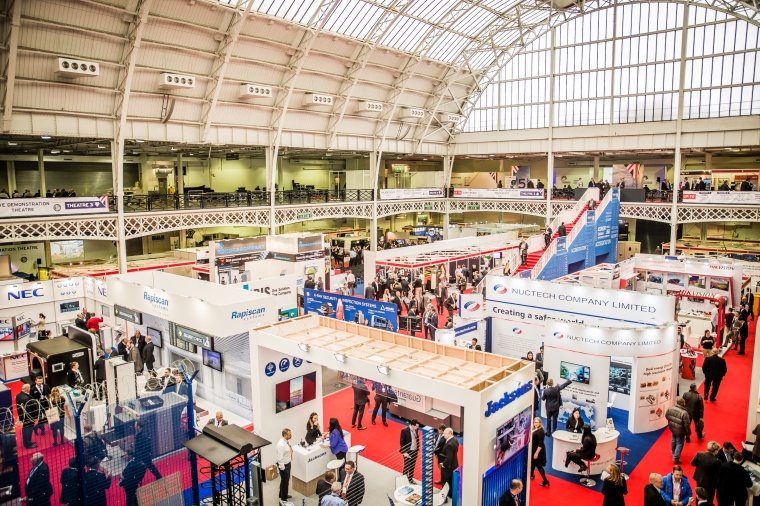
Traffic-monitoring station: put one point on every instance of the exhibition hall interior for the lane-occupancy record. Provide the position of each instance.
(372, 252)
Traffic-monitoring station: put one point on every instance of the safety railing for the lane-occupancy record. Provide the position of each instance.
(582, 221)
(177, 202)
(289, 197)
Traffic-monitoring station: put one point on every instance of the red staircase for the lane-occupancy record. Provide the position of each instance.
(535, 256)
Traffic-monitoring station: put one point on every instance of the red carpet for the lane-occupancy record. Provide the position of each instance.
(733, 401)
(535, 256)
(382, 443)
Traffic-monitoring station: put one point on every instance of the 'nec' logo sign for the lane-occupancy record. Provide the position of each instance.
(25, 294)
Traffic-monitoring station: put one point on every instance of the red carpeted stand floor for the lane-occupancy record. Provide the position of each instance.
(725, 420)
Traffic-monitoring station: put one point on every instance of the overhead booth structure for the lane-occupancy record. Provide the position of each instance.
(199, 322)
(495, 392)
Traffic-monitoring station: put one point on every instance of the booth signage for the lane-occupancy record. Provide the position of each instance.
(507, 399)
(630, 342)
(466, 329)
(270, 369)
(310, 243)
(499, 193)
(240, 246)
(196, 338)
(20, 208)
(410, 193)
(375, 314)
(303, 216)
(127, 314)
(722, 197)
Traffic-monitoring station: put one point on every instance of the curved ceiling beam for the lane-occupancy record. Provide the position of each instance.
(378, 32)
(14, 25)
(288, 83)
(219, 67)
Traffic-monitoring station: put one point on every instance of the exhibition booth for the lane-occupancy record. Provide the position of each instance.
(201, 323)
(494, 393)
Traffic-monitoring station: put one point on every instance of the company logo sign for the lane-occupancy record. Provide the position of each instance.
(297, 362)
(500, 289)
(506, 399)
(471, 306)
(689, 196)
(559, 335)
(248, 314)
(25, 294)
(156, 302)
(284, 364)
(270, 369)
(517, 330)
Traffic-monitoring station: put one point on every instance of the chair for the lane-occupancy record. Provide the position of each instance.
(586, 481)
(390, 500)
(623, 452)
(440, 495)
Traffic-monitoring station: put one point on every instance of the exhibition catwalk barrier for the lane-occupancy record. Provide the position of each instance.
(725, 420)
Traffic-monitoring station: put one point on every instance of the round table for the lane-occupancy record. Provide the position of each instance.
(563, 441)
(399, 496)
(356, 450)
(336, 464)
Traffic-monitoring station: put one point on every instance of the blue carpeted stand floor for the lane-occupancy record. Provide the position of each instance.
(639, 444)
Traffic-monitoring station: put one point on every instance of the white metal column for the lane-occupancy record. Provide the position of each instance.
(41, 169)
(679, 126)
(550, 154)
(271, 166)
(117, 168)
(10, 166)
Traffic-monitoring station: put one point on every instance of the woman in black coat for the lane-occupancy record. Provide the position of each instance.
(538, 450)
(574, 422)
(614, 487)
(587, 451)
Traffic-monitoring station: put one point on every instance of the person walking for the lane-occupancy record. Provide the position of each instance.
(679, 424)
(284, 458)
(553, 401)
(361, 399)
(538, 449)
(381, 402)
(743, 334)
(409, 443)
(523, 252)
(38, 488)
(131, 477)
(144, 448)
(706, 469)
(547, 235)
(431, 322)
(70, 485)
(714, 368)
(28, 412)
(695, 406)
(561, 230)
(614, 488)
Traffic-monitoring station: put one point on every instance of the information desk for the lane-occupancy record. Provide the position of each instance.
(606, 444)
(310, 464)
(694, 331)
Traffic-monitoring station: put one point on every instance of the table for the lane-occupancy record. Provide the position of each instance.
(563, 441)
(401, 493)
(309, 464)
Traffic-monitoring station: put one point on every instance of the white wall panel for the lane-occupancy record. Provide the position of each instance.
(324, 64)
(309, 81)
(370, 91)
(172, 60)
(378, 75)
(231, 114)
(276, 32)
(358, 125)
(342, 47)
(305, 120)
(60, 125)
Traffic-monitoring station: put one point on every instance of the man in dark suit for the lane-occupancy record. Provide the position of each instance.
(361, 398)
(218, 420)
(561, 230)
(96, 483)
(381, 401)
(41, 393)
(409, 447)
(726, 454)
(131, 477)
(144, 448)
(39, 490)
(510, 496)
(714, 367)
(450, 461)
(28, 411)
(376, 287)
(147, 353)
(706, 469)
(438, 450)
(369, 291)
(353, 485)
(70, 484)
(733, 482)
(121, 348)
(167, 380)
(553, 397)
(80, 322)
(324, 485)
(652, 495)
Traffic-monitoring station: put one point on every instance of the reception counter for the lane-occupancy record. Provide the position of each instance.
(310, 464)
(563, 441)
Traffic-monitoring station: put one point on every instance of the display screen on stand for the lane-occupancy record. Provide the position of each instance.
(6, 333)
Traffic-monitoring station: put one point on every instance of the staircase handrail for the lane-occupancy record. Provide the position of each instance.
(577, 229)
(602, 205)
(590, 193)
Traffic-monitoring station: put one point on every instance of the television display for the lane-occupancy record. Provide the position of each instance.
(212, 359)
(513, 436)
(6, 333)
(23, 330)
(575, 372)
(295, 392)
(61, 251)
(156, 337)
(68, 307)
(719, 283)
(620, 378)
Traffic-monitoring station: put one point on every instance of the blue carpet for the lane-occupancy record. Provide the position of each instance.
(639, 444)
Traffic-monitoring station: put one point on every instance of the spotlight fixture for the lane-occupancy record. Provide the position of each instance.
(304, 346)
(383, 369)
(340, 357)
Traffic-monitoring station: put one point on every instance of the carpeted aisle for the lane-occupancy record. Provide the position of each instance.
(725, 420)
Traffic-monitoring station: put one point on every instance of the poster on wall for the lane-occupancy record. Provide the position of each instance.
(654, 392)
(513, 436)
(722, 197)
(631, 175)
(376, 314)
(24, 256)
(410, 193)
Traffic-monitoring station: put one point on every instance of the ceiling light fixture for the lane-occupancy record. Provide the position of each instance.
(139, 141)
(12, 143)
(100, 146)
(45, 137)
(340, 357)
(383, 369)
(304, 346)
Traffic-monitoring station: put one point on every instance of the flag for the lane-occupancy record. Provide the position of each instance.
(513, 170)
(495, 176)
(633, 170)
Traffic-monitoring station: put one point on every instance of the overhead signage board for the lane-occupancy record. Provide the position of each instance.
(499, 193)
(127, 314)
(375, 314)
(726, 198)
(194, 337)
(20, 208)
(246, 245)
(410, 193)
(310, 243)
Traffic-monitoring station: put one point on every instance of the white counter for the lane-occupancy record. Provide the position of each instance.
(563, 441)
(696, 328)
(310, 464)
(13, 366)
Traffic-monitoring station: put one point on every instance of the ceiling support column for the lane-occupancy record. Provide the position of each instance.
(41, 169)
(679, 129)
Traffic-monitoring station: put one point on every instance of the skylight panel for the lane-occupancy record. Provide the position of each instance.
(354, 18)
(406, 34)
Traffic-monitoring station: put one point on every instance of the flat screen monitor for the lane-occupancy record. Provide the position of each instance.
(63, 251)
(513, 436)
(295, 392)
(156, 337)
(23, 330)
(6, 333)
(620, 378)
(69, 307)
(575, 372)
(212, 359)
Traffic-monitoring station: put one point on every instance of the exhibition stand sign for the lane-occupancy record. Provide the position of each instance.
(557, 265)
(736, 198)
(283, 289)
(375, 314)
(411, 193)
(582, 355)
(607, 228)
(499, 193)
(584, 244)
(21, 208)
